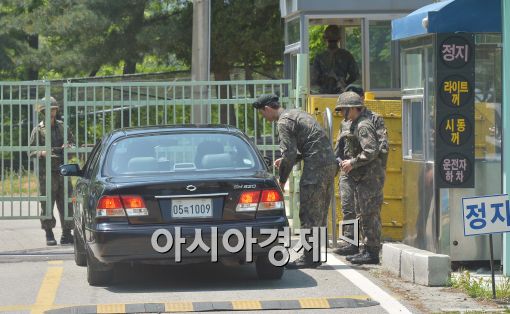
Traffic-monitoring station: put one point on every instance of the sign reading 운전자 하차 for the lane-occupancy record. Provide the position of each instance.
(486, 214)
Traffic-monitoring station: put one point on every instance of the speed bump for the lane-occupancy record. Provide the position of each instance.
(237, 305)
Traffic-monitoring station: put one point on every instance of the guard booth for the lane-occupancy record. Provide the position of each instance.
(451, 60)
(366, 33)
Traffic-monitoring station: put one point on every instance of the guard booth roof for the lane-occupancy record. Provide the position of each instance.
(470, 16)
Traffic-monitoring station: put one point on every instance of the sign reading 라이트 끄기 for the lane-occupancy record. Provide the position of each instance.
(486, 214)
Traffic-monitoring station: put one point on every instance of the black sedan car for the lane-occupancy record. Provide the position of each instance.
(143, 191)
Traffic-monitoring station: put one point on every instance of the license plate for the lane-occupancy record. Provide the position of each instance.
(192, 208)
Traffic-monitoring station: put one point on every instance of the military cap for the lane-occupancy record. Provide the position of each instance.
(42, 106)
(265, 100)
(348, 100)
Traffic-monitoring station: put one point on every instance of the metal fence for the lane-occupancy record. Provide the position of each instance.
(91, 110)
(19, 186)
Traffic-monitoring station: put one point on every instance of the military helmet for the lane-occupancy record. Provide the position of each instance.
(348, 100)
(42, 106)
(332, 32)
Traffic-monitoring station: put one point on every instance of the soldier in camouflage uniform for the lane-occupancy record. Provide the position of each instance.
(333, 69)
(349, 208)
(302, 138)
(38, 138)
(364, 175)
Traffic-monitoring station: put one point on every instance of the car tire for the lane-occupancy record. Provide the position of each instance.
(80, 255)
(98, 274)
(266, 270)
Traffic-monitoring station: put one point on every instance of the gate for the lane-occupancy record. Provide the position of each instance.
(21, 160)
(91, 110)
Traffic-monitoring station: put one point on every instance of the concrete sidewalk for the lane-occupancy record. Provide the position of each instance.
(26, 236)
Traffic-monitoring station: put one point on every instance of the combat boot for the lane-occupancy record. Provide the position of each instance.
(370, 256)
(350, 257)
(346, 249)
(305, 261)
(67, 237)
(50, 237)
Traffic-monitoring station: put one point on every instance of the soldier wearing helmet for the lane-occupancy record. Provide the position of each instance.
(362, 177)
(38, 138)
(334, 68)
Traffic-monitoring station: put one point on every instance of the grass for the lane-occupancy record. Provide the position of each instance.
(481, 288)
(21, 184)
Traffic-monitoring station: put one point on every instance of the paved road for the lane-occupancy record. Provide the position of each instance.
(35, 279)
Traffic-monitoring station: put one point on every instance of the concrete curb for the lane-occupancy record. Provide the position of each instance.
(415, 265)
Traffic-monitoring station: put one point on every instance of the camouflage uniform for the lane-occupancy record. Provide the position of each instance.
(298, 131)
(345, 183)
(367, 178)
(37, 138)
(332, 71)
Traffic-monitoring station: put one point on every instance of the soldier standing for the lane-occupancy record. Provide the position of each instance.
(364, 175)
(38, 138)
(302, 138)
(334, 68)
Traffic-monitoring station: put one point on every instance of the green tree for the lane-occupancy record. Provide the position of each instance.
(19, 39)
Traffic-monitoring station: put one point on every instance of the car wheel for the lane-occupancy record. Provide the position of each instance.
(266, 270)
(98, 273)
(80, 255)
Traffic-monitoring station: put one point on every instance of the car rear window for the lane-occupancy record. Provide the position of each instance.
(172, 152)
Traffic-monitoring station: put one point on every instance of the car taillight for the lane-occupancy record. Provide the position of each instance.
(261, 200)
(110, 206)
(271, 199)
(248, 201)
(119, 206)
(134, 205)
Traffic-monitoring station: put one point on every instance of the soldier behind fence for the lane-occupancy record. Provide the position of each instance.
(364, 175)
(302, 138)
(38, 138)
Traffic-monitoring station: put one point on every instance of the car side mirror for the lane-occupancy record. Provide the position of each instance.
(71, 170)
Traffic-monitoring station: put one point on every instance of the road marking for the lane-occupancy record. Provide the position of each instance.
(246, 305)
(111, 308)
(314, 303)
(179, 307)
(386, 301)
(14, 308)
(56, 262)
(48, 290)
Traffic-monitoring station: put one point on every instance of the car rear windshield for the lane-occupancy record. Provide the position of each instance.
(181, 152)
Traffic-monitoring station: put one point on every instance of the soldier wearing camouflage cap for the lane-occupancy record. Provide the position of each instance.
(38, 138)
(334, 68)
(362, 178)
(302, 138)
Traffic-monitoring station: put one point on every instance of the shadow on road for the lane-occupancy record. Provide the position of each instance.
(202, 277)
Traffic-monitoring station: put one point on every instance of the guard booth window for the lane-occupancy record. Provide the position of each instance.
(292, 32)
(384, 71)
(413, 129)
